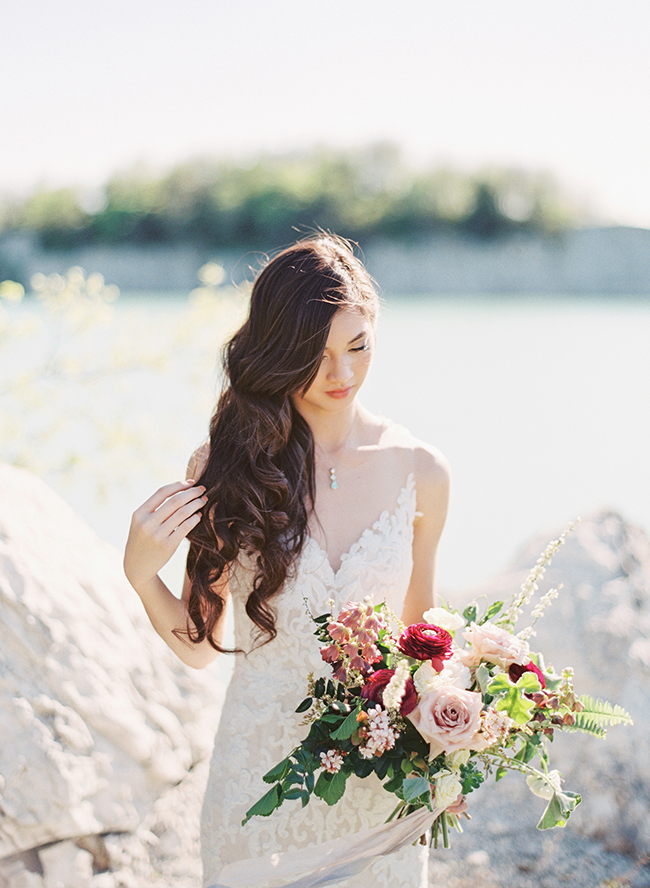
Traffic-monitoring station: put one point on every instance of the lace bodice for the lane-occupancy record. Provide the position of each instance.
(259, 725)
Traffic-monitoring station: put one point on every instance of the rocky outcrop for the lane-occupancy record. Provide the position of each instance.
(105, 735)
(101, 724)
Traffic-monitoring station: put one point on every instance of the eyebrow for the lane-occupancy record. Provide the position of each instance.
(358, 337)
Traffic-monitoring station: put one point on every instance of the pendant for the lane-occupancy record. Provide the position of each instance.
(333, 481)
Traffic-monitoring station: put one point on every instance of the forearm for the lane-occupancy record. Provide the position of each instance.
(168, 613)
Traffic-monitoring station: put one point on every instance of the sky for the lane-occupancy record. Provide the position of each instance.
(91, 88)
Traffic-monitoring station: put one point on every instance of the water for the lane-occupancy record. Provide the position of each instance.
(540, 405)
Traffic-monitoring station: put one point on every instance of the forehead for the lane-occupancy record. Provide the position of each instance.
(347, 324)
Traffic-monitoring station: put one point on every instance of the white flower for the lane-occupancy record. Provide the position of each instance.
(395, 688)
(453, 673)
(426, 678)
(447, 788)
(458, 758)
(440, 616)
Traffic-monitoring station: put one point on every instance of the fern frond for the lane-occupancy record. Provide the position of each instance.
(583, 723)
(601, 712)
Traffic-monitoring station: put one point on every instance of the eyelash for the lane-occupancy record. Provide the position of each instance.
(361, 348)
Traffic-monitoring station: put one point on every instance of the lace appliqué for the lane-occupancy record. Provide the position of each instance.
(259, 725)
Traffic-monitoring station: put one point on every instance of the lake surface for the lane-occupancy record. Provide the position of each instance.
(540, 405)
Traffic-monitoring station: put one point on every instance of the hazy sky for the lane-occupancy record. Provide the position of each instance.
(88, 86)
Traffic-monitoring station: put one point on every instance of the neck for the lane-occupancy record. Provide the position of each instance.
(333, 431)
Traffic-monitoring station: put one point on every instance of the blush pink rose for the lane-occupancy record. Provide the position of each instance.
(494, 645)
(449, 719)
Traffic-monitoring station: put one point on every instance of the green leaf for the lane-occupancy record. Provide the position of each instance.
(415, 787)
(279, 772)
(319, 687)
(330, 787)
(483, 678)
(500, 773)
(513, 701)
(266, 805)
(348, 727)
(305, 705)
(558, 809)
(602, 712)
(493, 609)
(470, 613)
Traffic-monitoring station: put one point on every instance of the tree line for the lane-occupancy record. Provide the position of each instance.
(363, 193)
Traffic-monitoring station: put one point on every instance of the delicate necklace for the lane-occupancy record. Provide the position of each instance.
(332, 469)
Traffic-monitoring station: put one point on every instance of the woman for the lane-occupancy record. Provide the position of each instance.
(302, 496)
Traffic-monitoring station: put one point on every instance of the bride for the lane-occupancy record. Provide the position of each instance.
(301, 498)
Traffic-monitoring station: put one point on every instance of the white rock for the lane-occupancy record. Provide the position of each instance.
(99, 718)
(65, 866)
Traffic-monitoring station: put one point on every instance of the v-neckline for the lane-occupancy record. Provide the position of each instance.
(367, 532)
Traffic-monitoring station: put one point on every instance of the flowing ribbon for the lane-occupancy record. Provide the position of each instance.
(328, 862)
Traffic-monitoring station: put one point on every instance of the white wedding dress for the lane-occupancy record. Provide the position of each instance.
(259, 726)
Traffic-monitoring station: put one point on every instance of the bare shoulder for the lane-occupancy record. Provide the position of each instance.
(429, 467)
(427, 462)
(197, 461)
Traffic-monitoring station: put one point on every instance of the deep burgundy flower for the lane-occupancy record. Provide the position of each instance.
(515, 671)
(376, 684)
(423, 641)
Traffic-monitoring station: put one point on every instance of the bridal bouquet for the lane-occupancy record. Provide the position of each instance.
(434, 708)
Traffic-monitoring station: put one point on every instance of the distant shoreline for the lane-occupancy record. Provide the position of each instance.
(588, 261)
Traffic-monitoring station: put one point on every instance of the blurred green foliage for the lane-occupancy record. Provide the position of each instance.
(360, 193)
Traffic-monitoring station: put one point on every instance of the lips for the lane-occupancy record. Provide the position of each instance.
(339, 393)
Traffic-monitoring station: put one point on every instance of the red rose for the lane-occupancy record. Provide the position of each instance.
(515, 671)
(376, 684)
(422, 641)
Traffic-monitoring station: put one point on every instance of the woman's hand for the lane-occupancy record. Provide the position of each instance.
(157, 528)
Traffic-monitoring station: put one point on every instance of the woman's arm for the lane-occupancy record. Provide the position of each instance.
(157, 529)
(432, 478)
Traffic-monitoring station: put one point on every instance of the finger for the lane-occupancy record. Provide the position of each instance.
(185, 527)
(174, 502)
(163, 493)
(182, 513)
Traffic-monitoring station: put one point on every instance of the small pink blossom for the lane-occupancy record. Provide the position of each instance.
(331, 761)
(371, 654)
(330, 653)
(338, 632)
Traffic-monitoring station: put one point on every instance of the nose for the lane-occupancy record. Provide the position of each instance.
(340, 371)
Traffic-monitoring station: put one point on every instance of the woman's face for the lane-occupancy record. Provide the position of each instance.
(344, 365)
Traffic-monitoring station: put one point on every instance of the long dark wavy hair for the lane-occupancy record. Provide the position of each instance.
(259, 475)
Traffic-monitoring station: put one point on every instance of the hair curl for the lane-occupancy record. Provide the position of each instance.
(259, 475)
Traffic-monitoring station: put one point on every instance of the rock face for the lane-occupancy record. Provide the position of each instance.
(105, 735)
(101, 724)
(600, 626)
